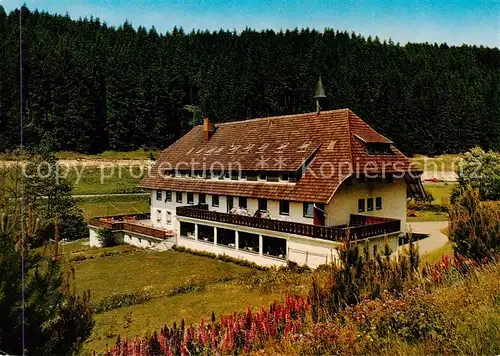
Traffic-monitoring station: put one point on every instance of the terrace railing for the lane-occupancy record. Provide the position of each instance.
(126, 223)
(365, 228)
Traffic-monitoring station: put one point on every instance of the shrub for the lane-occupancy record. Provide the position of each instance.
(474, 226)
(411, 318)
(481, 170)
(120, 300)
(107, 238)
(359, 277)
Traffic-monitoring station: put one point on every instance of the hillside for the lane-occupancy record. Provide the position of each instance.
(90, 88)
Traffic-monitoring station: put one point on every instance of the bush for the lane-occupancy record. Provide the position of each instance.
(359, 277)
(120, 300)
(474, 227)
(481, 170)
(107, 238)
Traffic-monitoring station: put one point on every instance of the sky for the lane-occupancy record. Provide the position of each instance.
(452, 21)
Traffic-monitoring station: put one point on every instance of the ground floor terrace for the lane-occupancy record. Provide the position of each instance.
(267, 242)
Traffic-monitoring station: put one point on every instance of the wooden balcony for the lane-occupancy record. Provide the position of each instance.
(130, 223)
(360, 226)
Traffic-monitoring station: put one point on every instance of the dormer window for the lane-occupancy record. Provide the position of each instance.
(284, 176)
(262, 175)
(379, 148)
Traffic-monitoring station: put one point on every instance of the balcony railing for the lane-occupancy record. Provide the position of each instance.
(127, 223)
(360, 226)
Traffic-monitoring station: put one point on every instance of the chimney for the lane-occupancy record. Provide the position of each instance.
(208, 129)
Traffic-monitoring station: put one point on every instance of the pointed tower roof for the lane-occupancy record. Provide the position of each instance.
(320, 91)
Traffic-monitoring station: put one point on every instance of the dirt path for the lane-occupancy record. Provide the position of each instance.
(436, 238)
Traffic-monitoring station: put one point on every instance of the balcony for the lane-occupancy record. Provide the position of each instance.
(135, 223)
(359, 227)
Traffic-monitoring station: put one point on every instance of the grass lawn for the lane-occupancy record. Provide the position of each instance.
(425, 215)
(442, 162)
(113, 205)
(441, 192)
(227, 288)
(111, 179)
(108, 155)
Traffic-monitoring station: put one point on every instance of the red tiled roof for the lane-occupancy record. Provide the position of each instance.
(334, 140)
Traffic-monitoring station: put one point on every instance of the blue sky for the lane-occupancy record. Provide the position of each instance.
(452, 21)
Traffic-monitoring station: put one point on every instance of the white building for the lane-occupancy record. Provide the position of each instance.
(282, 188)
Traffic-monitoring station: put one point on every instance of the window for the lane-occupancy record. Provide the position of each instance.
(369, 204)
(227, 175)
(215, 200)
(202, 198)
(158, 215)
(243, 202)
(284, 207)
(389, 178)
(248, 242)
(187, 230)
(361, 205)
(378, 203)
(169, 196)
(262, 176)
(308, 210)
(178, 197)
(285, 176)
(226, 237)
(262, 204)
(274, 247)
(190, 197)
(229, 203)
(206, 233)
(169, 217)
(199, 174)
(243, 175)
(159, 195)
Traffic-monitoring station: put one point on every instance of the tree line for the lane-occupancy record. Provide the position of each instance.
(90, 87)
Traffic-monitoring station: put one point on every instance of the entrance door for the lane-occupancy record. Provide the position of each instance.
(229, 203)
(319, 214)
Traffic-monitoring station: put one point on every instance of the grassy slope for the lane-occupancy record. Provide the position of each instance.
(447, 162)
(227, 288)
(441, 193)
(108, 180)
(113, 205)
(108, 155)
(473, 306)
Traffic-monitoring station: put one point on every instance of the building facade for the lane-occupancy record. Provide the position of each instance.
(287, 188)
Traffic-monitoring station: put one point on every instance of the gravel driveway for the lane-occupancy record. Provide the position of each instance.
(436, 238)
